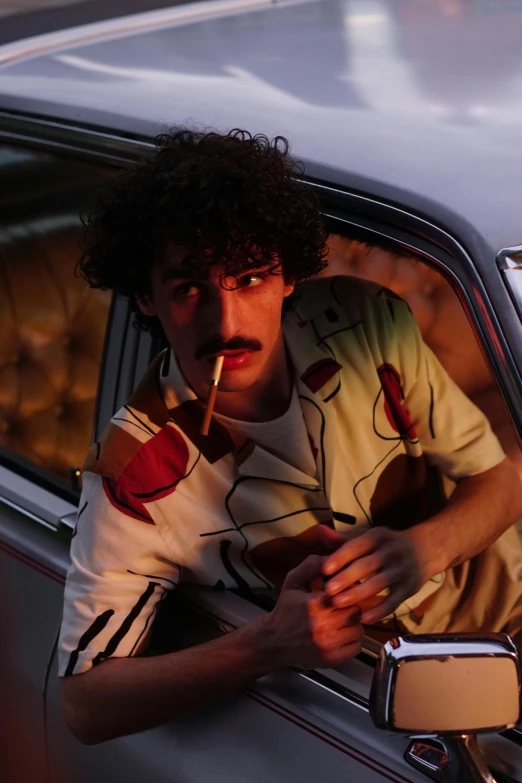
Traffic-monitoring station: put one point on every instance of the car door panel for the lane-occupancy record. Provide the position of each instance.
(282, 727)
(31, 583)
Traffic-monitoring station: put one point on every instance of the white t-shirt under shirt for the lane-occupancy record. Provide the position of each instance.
(286, 437)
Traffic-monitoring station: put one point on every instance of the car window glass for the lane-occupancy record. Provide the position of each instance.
(52, 324)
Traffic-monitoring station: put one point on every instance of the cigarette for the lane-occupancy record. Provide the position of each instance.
(211, 400)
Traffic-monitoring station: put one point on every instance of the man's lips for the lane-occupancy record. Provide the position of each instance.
(233, 360)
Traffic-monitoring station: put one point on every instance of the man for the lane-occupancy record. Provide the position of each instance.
(333, 423)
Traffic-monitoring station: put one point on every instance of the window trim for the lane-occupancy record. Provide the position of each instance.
(87, 142)
(5, 501)
(43, 478)
(110, 377)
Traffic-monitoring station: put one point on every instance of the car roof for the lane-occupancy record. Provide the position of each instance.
(417, 103)
(43, 16)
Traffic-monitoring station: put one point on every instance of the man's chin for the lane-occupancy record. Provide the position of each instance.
(236, 381)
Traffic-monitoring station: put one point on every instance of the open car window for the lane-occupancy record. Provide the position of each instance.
(52, 325)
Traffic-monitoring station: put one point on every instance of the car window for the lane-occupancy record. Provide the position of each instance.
(446, 330)
(52, 324)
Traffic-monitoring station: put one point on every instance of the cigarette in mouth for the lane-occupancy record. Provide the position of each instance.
(211, 400)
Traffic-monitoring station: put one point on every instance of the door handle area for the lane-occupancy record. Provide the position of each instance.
(430, 757)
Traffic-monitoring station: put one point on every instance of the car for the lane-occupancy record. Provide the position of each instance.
(407, 118)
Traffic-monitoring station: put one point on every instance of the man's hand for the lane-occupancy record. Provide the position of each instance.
(304, 629)
(377, 560)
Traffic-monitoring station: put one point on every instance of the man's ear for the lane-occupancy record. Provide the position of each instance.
(145, 305)
(289, 287)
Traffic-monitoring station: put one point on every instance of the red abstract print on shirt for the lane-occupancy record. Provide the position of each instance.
(155, 471)
(396, 412)
(316, 376)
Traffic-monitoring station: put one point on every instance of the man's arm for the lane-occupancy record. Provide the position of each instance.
(480, 509)
(124, 695)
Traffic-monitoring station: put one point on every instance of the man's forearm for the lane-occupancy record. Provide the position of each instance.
(480, 509)
(126, 695)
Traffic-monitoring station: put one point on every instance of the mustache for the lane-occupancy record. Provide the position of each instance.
(217, 344)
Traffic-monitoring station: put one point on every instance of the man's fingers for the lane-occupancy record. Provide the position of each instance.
(330, 618)
(375, 584)
(361, 569)
(301, 576)
(356, 547)
(330, 640)
(319, 605)
(350, 616)
(384, 608)
(362, 592)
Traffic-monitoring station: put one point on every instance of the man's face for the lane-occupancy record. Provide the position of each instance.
(239, 317)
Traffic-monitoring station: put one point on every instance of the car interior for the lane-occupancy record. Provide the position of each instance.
(52, 326)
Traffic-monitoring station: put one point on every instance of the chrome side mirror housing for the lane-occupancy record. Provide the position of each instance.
(453, 686)
(447, 684)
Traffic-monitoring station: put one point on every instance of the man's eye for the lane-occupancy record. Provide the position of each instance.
(186, 291)
(250, 281)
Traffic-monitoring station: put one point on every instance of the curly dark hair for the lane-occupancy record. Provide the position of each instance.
(232, 194)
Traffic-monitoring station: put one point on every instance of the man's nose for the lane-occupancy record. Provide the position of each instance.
(226, 316)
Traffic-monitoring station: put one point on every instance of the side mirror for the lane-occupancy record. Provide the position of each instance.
(451, 686)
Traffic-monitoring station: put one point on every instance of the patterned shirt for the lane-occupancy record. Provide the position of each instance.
(162, 504)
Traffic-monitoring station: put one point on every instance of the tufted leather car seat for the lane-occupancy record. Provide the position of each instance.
(442, 321)
(52, 324)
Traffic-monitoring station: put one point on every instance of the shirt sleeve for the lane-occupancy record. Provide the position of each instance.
(454, 434)
(119, 573)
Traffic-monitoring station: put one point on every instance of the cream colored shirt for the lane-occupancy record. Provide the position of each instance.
(162, 504)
